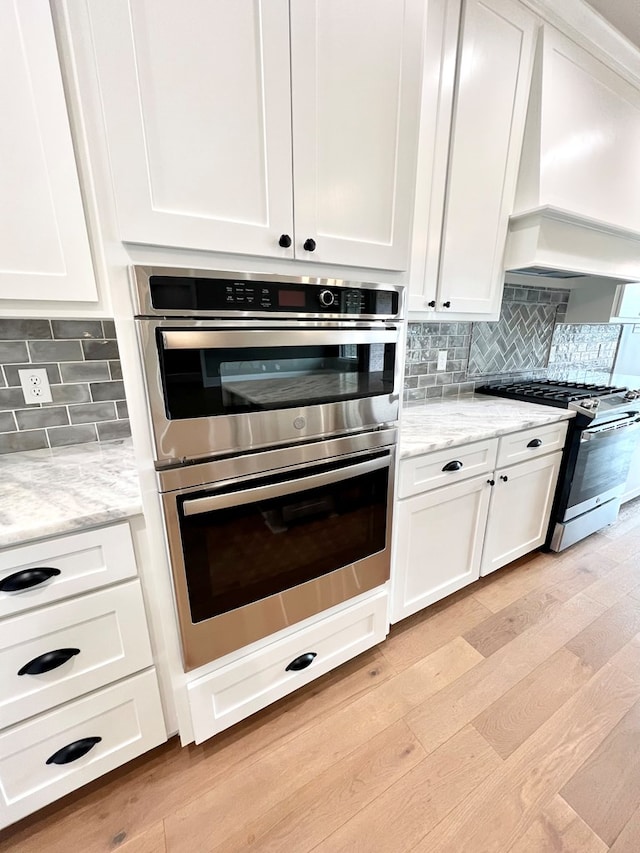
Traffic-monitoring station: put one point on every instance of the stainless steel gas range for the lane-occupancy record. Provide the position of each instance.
(274, 404)
(595, 465)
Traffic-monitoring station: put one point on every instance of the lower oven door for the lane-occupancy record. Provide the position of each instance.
(255, 556)
(602, 464)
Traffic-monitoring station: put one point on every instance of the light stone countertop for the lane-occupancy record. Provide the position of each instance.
(437, 424)
(53, 492)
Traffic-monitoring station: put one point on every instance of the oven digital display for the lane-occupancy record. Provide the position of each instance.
(291, 298)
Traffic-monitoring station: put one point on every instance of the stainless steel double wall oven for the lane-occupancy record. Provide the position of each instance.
(273, 403)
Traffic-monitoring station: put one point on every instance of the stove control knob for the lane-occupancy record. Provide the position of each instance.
(326, 298)
(632, 395)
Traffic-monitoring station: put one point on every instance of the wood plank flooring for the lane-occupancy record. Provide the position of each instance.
(505, 719)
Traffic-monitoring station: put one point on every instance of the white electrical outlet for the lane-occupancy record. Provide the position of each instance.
(35, 385)
(442, 359)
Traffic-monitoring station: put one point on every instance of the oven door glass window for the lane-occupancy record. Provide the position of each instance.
(204, 381)
(602, 464)
(245, 552)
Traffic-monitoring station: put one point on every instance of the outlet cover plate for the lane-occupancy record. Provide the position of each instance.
(35, 385)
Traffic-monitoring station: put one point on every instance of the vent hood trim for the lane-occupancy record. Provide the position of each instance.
(551, 239)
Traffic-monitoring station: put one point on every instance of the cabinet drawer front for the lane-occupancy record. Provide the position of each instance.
(244, 686)
(127, 717)
(69, 649)
(82, 562)
(520, 446)
(445, 466)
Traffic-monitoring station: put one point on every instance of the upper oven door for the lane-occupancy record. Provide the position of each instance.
(219, 388)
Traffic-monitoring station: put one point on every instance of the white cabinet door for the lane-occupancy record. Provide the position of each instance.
(44, 248)
(461, 269)
(492, 89)
(519, 512)
(356, 70)
(196, 101)
(438, 544)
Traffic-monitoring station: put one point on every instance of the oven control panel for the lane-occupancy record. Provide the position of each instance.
(209, 295)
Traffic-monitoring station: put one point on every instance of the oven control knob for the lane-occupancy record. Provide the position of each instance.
(632, 395)
(327, 298)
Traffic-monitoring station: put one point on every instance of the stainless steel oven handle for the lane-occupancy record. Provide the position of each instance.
(197, 506)
(609, 431)
(208, 339)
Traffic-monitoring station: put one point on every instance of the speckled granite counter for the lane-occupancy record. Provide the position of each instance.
(450, 423)
(52, 492)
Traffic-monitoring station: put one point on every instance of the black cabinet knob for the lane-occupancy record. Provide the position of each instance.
(301, 662)
(446, 304)
(455, 465)
(491, 482)
(432, 304)
(27, 578)
(309, 245)
(504, 477)
(73, 751)
(535, 442)
(284, 241)
(48, 661)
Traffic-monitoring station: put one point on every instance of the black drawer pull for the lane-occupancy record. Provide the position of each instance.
(73, 751)
(504, 477)
(491, 482)
(48, 661)
(301, 662)
(535, 442)
(456, 465)
(27, 578)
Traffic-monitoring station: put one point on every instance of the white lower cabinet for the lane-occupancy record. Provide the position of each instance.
(240, 688)
(439, 535)
(78, 693)
(519, 511)
(447, 537)
(51, 755)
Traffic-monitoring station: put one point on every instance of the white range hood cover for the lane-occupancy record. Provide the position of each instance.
(566, 247)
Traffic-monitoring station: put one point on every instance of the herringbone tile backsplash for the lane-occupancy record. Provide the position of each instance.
(519, 340)
(528, 341)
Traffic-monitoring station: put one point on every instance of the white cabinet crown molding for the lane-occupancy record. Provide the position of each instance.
(587, 28)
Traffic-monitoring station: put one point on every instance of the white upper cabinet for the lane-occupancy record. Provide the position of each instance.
(196, 100)
(44, 248)
(582, 138)
(356, 68)
(475, 139)
(199, 98)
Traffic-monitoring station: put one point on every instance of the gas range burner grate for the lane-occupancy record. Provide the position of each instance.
(548, 392)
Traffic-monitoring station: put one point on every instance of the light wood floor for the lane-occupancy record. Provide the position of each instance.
(506, 718)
